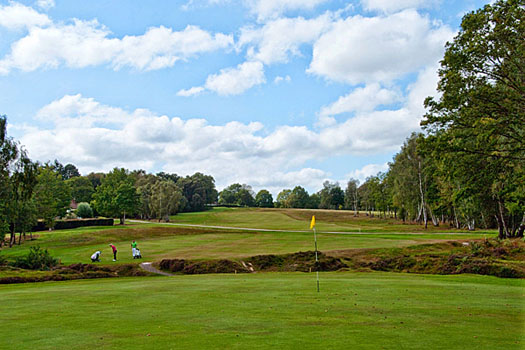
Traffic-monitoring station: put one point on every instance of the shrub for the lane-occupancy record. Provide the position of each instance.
(36, 259)
(3, 260)
(84, 210)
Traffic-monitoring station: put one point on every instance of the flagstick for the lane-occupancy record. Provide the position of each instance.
(316, 260)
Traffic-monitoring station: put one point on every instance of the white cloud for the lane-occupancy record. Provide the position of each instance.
(191, 91)
(378, 49)
(18, 16)
(275, 41)
(87, 43)
(279, 79)
(45, 4)
(363, 99)
(98, 137)
(366, 171)
(392, 6)
(231, 81)
(269, 9)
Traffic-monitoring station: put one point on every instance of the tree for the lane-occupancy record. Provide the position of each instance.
(332, 196)
(81, 188)
(237, 194)
(264, 199)
(351, 195)
(166, 199)
(481, 112)
(200, 184)
(52, 195)
(116, 196)
(84, 210)
(282, 199)
(70, 171)
(298, 198)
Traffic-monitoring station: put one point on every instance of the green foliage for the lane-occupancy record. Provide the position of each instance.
(84, 210)
(52, 195)
(332, 196)
(36, 259)
(476, 126)
(116, 196)
(238, 194)
(81, 188)
(264, 199)
(197, 184)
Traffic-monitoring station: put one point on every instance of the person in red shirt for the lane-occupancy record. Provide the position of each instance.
(114, 252)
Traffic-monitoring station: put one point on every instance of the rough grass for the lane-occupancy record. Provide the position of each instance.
(267, 311)
(161, 242)
(486, 257)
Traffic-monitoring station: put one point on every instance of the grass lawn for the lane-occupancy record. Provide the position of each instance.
(158, 241)
(267, 311)
(299, 219)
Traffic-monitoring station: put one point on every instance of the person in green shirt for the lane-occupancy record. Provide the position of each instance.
(134, 249)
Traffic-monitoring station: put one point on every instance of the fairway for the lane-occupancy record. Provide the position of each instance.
(267, 311)
(159, 241)
(299, 219)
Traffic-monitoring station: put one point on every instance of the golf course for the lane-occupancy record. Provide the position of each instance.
(355, 308)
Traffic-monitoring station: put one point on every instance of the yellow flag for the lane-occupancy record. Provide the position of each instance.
(312, 224)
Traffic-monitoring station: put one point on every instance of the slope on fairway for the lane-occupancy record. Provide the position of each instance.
(263, 311)
(299, 219)
(158, 241)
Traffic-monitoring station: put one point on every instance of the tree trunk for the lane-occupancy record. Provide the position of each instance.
(521, 229)
(435, 220)
(503, 221)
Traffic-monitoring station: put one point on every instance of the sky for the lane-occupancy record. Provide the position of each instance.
(269, 93)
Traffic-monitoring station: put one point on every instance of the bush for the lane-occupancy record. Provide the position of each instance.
(84, 210)
(36, 259)
(3, 260)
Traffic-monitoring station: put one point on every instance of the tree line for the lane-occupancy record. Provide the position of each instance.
(30, 191)
(468, 168)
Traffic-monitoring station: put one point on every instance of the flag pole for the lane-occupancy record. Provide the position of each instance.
(316, 260)
(312, 226)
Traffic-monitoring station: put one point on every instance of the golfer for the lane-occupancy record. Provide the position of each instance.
(134, 249)
(114, 252)
(96, 256)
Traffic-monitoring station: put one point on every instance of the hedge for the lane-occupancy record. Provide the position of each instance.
(73, 223)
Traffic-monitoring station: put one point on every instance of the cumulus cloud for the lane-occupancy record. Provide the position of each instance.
(392, 6)
(45, 4)
(231, 81)
(378, 49)
(363, 99)
(367, 171)
(279, 79)
(279, 39)
(87, 43)
(269, 9)
(18, 16)
(96, 137)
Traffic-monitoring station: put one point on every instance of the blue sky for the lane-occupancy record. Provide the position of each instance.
(271, 93)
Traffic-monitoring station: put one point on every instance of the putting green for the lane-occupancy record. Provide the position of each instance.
(267, 311)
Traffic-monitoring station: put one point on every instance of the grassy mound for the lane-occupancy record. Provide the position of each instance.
(301, 261)
(483, 257)
(70, 272)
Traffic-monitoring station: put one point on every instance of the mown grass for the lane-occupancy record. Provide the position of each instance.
(299, 219)
(267, 311)
(158, 241)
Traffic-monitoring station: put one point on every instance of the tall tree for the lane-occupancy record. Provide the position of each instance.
(352, 196)
(481, 112)
(264, 199)
(117, 195)
(52, 195)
